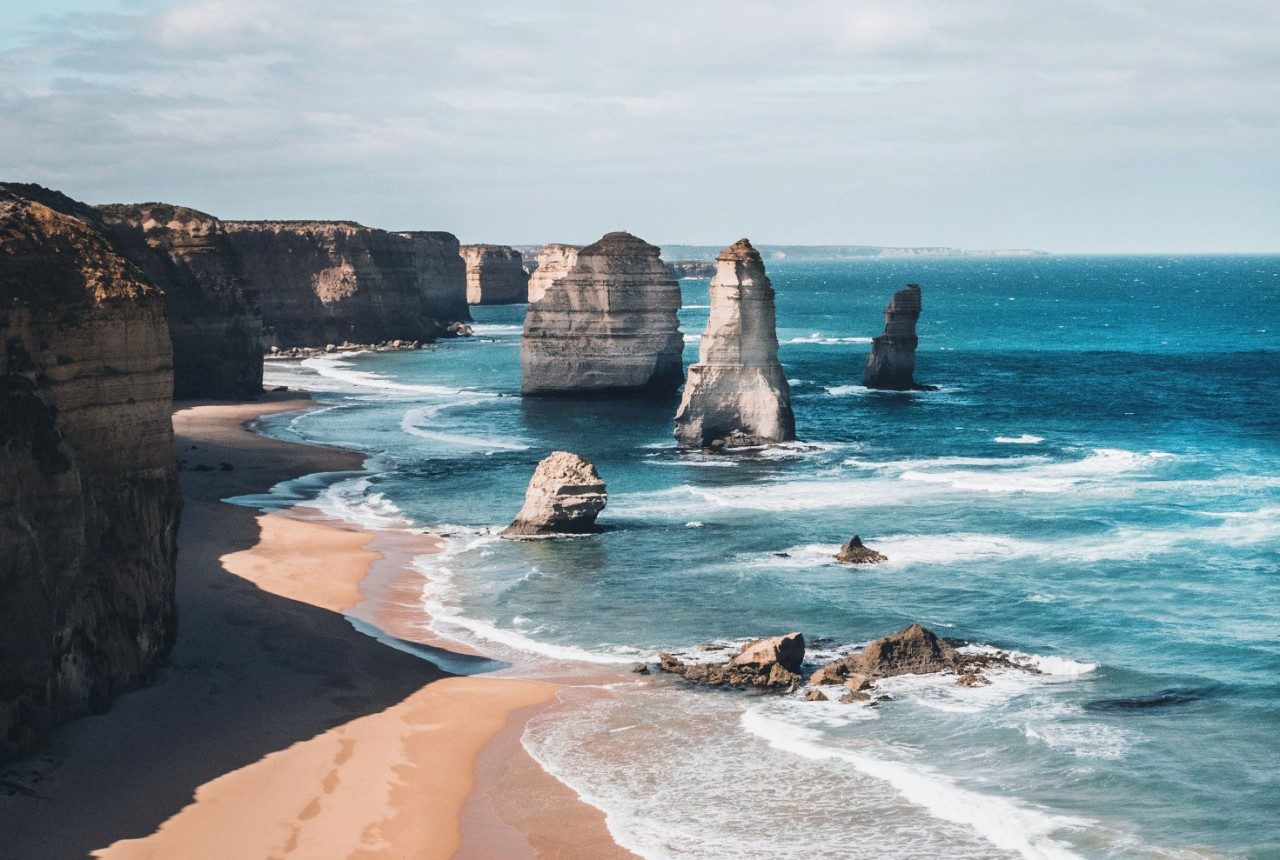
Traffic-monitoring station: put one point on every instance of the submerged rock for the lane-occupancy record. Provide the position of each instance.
(855, 552)
(495, 275)
(565, 496)
(608, 327)
(892, 362)
(554, 262)
(736, 394)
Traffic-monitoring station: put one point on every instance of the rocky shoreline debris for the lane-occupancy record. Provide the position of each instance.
(276, 353)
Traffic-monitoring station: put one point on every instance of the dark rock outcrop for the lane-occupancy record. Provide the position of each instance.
(89, 499)
(736, 394)
(554, 262)
(914, 650)
(564, 497)
(691, 269)
(495, 275)
(773, 662)
(608, 327)
(854, 552)
(892, 362)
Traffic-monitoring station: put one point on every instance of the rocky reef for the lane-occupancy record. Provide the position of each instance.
(564, 497)
(853, 551)
(554, 262)
(607, 328)
(736, 394)
(495, 275)
(892, 362)
(773, 662)
(214, 323)
(89, 500)
(322, 282)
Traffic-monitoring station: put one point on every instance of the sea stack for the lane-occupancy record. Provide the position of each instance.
(736, 394)
(607, 328)
(565, 496)
(892, 362)
(495, 275)
(554, 262)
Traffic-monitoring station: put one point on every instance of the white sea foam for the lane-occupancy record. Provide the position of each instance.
(495, 329)
(351, 501)
(339, 367)
(1024, 439)
(413, 420)
(1005, 823)
(826, 340)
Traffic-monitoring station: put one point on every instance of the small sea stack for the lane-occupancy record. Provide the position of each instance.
(854, 551)
(606, 328)
(564, 497)
(736, 394)
(554, 262)
(495, 275)
(892, 363)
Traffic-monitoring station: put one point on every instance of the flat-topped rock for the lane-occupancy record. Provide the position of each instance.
(495, 275)
(736, 393)
(606, 328)
(554, 262)
(564, 497)
(892, 362)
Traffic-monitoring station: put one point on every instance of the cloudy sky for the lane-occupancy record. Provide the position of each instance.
(1069, 125)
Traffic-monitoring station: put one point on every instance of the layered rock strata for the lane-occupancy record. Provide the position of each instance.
(564, 497)
(495, 275)
(321, 282)
(554, 262)
(892, 362)
(736, 394)
(607, 328)
(89, 499)
(442, 275)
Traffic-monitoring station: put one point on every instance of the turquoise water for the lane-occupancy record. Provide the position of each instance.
(1096, 483)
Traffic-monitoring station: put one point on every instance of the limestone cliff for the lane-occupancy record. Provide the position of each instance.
(892, 362)
(608, 327)
(214, 323)
(564, 497)
(89, 498)
(321, 282)
(442, 275)
(554, 262)
(736, 394)
(495, 275)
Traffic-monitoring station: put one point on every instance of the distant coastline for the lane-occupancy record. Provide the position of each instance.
(707, 253)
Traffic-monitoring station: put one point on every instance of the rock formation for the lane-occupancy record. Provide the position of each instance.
(691, 269)
(914, 650)
(89, 498)
(892, 362)
(442, 275)
(736, 394)
(321, 282)
(495, 275)
(554, 262)
(855, 552)
(565, 496)
(213, 323)
(608, 327)
(773, 662)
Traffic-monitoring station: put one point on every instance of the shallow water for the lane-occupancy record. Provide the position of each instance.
(1097, 483)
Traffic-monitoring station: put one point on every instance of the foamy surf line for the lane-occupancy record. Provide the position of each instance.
(1004, 823)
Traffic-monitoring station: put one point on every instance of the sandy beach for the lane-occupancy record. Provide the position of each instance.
(278, 729)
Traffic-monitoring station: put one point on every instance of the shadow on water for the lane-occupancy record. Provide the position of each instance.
(1168, 698)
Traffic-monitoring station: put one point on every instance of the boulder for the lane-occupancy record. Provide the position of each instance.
(892, 362)
(914, 650)
(786, 651)
(607, 328)
(564, 497)
(854, 552)
(772, 663)
(736, 393)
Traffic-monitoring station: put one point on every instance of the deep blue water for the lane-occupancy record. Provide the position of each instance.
(1097, 482)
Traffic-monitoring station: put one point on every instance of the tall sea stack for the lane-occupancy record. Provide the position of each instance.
(607, 328)
(892, 362)
(89, 498)
(554, 262)
(736, 394)
(495, 275)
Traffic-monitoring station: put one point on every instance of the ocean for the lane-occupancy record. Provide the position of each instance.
(1095, 484)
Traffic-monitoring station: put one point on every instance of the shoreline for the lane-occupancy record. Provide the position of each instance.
(278, 726)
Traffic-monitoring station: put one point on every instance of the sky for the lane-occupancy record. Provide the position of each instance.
(1075, 126)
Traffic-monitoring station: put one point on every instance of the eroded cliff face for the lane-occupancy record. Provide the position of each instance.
(214, 323)
(442, 275)
(89, 497)
(495, 275)
(321, 282)
(554, 262)
(736, 393)
(892, 362)
(608, 327)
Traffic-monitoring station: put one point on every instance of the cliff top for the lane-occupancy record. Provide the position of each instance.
(741, 251)
(618, 244)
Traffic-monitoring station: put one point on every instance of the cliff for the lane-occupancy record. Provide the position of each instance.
(214, 323)
(691, 269)
(89, 498)
(554, 262)
(892, 362)
(736, 394)
(608, 327)
(442, 275)
(495, 275)
(321, 282)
